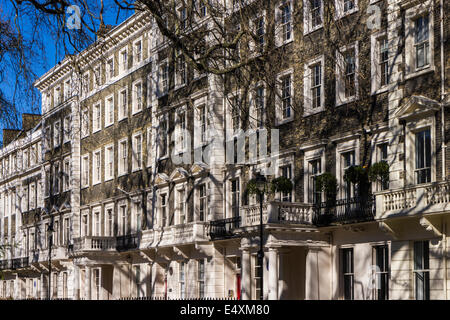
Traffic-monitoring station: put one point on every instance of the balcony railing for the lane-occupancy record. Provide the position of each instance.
(19, 263)
(175, 235)
(4, 264)
(344, 211)
(223, 229)
(12, 264)
(127, 242)
(417, 199)
(94, 243)
(273, 213)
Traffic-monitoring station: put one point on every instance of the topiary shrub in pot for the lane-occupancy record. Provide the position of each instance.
(326, 183)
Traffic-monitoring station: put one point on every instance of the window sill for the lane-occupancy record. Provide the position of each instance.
(383, 89)
(136, 112)
(420, 72)
(306, 32)
(136, 170)
(311, 112)
(96, 130)
(285, 42)
(285, 121)
(122, 174)
(109, 179)
(96, 183)
(346, 101)
(109, 125)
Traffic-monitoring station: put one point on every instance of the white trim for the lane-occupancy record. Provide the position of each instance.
(122, 171)
(307, 81)
(340, 69)
(96, 180)
(307, 17)
(135, 166)
(109, 177)
(279, 119)
(107, 110)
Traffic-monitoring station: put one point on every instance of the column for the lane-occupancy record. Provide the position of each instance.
(43, 291)
(246, 275)
(88, 286)
(76, 283)
(311, 275)
(273, 273)
(148, 281)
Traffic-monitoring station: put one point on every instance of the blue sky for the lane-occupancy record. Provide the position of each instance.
(51, 57)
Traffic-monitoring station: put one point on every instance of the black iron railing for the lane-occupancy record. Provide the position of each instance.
(223, 229)
(19, 263)
(15, 263)
(4, 264)
(358, 209)
(127, 242)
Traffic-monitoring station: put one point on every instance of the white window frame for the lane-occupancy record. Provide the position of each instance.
(108, 110)
(413, 127)
(340, 74)
(123, 109)
(339, 9)
(97, 224)
(307, 85)
(108, 176)
(137, 163)
(178, 79)
(108, 69)
(279, 35)
(254, 106)
(57, 134)
(280, 119)
(135, 104)
(67, 89)
(311, 155)
(122, 222)
(180, 133)
(96, 117)
(123, 65)
(200, 138)
(342, 148)
(84, 178)
(121, 170)
(67, 128)
(57, 96)
(85, 84)
(85, 123)
(164, 89)
(307, 17)
(96, 159)
(376, 86)
(135, 52)
(411, 15)
(136, 215)
(164, 118)
(180, 211)
(109, 228)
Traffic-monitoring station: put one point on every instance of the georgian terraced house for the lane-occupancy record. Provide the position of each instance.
(93, 204)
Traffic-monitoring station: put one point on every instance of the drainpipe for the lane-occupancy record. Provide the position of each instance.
(444, 147)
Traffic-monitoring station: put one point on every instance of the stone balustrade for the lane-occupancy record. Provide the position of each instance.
(417, 199)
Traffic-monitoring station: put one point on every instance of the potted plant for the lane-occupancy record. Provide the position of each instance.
(379, 172)
(358, 175)
(326, 183)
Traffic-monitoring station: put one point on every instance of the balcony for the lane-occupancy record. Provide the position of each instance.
(414, 200)
(127, 242)
(344, 211)
(223, 229)
(288, 213)
(94, 244)
(175, 235)
(19, 263)
(13, 264)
